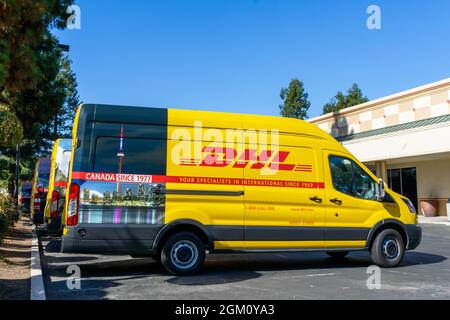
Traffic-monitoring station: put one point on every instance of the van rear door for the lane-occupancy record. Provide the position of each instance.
(121, 208)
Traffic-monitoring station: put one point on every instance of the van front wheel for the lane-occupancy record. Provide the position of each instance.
(183, 254)
(388, 249)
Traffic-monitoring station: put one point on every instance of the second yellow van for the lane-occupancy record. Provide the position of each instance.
(39, 191)
(56, 195)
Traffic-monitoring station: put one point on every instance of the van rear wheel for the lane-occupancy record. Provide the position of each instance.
(183, 254)
(337, 254)
(388, 249)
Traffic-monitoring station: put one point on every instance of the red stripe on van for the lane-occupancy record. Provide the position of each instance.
(61, 184)
(147, 179)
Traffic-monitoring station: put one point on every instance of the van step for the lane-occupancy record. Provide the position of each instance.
(53, 246)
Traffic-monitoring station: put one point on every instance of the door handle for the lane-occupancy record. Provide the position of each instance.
(336, 201)
(316, 199)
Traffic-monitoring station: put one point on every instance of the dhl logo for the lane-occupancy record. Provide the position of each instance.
(224, 157)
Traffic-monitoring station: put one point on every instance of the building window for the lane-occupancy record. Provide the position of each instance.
(404, 181)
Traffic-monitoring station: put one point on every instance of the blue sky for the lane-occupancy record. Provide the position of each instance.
(236, 55)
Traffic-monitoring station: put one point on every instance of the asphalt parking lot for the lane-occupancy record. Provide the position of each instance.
(424, 274)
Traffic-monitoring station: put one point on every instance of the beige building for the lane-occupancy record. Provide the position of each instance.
(405, 139)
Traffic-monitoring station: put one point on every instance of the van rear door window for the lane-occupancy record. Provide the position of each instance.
(139, 155)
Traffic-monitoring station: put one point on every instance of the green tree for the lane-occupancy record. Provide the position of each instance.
(11, 131)
(33, 76)
(341, 101)
(23, 27)
(295, 101)
(67, 99)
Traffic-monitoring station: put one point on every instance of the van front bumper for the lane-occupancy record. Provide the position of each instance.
(414, 234)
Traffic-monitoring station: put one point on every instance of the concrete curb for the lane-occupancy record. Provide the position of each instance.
(37, 291)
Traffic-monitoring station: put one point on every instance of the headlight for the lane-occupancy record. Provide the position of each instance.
(410, 206)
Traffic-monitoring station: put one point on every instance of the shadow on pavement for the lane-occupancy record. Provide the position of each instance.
(209, 278)
(237, 267)
(101, 276)
(9, 289)
(419, 258)
(306, 260)
(112, 268)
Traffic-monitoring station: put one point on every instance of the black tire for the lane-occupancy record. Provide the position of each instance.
(388, 249)
(337, 254)
(183, 254)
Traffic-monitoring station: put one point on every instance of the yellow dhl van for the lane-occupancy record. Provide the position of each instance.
(175, 184)
(39, 190)
(56, 195)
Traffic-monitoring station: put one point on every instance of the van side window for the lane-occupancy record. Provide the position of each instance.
(140, 156)
(351, 179)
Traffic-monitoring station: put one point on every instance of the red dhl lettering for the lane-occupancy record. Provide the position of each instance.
(223, 157)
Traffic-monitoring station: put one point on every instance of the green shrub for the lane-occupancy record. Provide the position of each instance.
(8, 215)
(4, 226)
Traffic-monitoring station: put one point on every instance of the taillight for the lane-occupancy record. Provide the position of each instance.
(73, 207)
(54, 205)
(37, 202)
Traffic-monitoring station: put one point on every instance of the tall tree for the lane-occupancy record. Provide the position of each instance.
(295, 101)
(30, 62)
(67, 98)
(23, 26)
(341, 101)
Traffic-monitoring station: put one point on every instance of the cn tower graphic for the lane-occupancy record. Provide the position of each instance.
(121, 155)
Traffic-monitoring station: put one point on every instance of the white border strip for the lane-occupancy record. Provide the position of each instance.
(37, 291)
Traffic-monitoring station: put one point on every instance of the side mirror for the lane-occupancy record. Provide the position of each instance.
(381, 192)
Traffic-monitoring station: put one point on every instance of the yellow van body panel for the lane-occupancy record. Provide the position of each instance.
(284, 202)
(34, 188)
(51, 185)
(208, 210)
(74, 145)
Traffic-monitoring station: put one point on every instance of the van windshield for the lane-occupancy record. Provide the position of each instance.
(62, 166)
(351, 179)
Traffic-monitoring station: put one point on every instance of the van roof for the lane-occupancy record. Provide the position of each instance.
(180, 117)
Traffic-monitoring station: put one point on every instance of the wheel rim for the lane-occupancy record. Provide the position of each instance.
(391, 248)
(184, 254)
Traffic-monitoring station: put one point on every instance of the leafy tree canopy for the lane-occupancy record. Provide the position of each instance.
(341, 101)
(37, 85)
(11, 131)
(23, 27)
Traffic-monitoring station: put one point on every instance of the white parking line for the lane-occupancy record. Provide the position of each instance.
(37, 291)
(441, 223)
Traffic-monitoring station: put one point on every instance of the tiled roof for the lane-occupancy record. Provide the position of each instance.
(396, 128)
